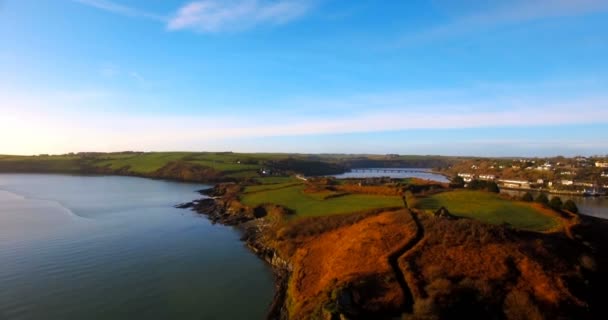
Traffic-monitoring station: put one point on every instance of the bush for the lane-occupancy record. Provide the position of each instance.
(569, 205)
(556, 203)
(493, 187)
(527, 197)
(489, 186)
(457, 182)
(411, 200)
(542, 198)
(476, 185)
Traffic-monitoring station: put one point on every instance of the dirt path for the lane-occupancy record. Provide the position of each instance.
(393, 260)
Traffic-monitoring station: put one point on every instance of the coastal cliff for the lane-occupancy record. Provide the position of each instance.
(383, 264)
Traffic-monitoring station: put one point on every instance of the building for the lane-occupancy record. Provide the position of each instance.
(487, 177)
(605, 174)
(599, 164)
(467, 177)
(567, 182)
(515, 184)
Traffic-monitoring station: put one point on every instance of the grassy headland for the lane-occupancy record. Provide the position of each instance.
(350, 249)
(308, 204)
(492, 208)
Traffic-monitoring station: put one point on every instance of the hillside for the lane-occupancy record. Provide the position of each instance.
(203, 166)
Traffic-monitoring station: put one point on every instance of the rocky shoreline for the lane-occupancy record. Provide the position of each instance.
(218, 206)
(529, 259)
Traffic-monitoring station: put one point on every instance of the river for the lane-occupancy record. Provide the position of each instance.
(90, 247)
(396, 173)
(593, 206)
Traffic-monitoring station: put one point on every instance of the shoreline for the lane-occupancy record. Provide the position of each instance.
(569, 193)
(217, 209)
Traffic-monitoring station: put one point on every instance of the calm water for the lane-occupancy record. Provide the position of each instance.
(389, 172)
(592, 206)
(75, 247)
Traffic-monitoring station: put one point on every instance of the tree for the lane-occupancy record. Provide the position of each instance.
(569, 205)
(457, 182)
(527, 197)
(493, 187)
(556, 203)
(476, 185)
(542, 198)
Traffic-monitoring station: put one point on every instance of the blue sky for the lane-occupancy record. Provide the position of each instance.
(471, 77)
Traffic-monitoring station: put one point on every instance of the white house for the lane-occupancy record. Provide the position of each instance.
(487, 177)
(467, 177)
(515, 183)
(605, 174)
(567, 182)
(601, 164)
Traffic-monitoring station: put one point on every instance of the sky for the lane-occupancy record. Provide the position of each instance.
(448, 77)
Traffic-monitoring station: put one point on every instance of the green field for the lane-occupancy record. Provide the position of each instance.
(142, 163)
(230, 164)
(490, 208)
(304, 204)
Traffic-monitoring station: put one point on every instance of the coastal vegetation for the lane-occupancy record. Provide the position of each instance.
(381, 247)
(191, 166)
(491, 208)
(304, 204)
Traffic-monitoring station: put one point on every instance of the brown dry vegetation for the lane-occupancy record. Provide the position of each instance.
(467, 269)
(378, 190)
(353, 256)
(460, 269)
(457, 268)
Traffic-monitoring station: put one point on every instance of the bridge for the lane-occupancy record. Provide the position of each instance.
(390, 170)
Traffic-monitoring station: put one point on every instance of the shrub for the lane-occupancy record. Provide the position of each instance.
(569, 205)
(457, 182)
(411, 200)
(493, 187)
(542, 198)
(556, 203)
(527, 197)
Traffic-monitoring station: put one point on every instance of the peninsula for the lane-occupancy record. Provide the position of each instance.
(383, 248)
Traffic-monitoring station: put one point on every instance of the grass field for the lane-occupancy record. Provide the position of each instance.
(304, 204)
(142, 163)
(490, 208)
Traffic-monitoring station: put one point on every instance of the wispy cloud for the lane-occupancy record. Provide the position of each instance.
(111, 71)
(507, 13)
(137, 77)
(121, 9)
(232, 15)
(66, 121)
(213, 16)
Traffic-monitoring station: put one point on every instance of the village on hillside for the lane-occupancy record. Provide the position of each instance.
(587, 176)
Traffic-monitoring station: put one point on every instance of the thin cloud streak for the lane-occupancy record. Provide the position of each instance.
(63, 130)
(511, 12)
(121, 9)
(213, 16)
